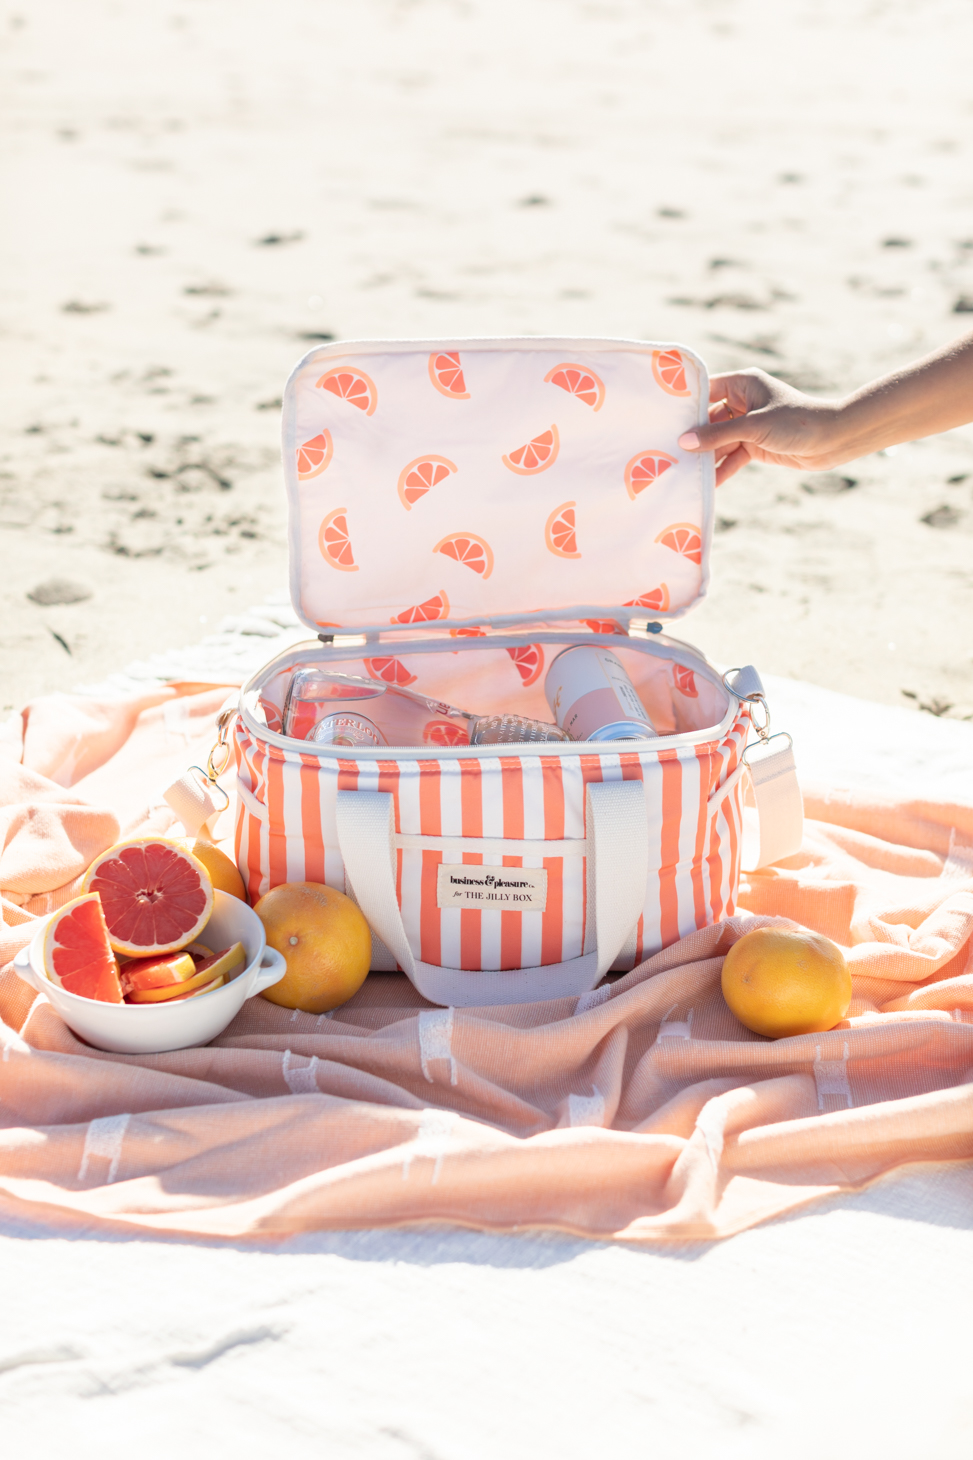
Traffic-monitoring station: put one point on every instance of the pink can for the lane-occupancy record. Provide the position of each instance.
(592, 697)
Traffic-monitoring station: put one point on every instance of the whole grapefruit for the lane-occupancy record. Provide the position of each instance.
(223, 872)
(781, 981)
(325, 939)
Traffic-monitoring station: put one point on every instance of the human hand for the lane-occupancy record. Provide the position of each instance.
(754, 417)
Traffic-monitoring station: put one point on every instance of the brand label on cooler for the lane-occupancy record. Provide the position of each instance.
(509, 889)
(589, 688)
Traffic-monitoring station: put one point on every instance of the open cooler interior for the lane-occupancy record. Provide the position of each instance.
(490, 675)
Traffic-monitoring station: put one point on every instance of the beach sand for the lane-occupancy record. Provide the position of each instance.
(204, 191)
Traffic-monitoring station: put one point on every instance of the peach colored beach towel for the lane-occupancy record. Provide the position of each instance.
(643, 1111)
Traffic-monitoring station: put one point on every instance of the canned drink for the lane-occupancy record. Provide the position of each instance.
(592, 697)
(513, 730)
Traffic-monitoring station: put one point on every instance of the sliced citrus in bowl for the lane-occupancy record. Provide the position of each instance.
(416, 479)
(314, 456)
(669, 369)
(560, 532)
(529, 659)
(683, 538)
(580, 382)
(78, 954)
(157, 896)
(468, 548)
(334, 542)
(353, 386)
(644, 469)
(446, 374)
(536, 455)
(424, 613)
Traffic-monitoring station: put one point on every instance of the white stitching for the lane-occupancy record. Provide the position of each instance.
(831, 1076)
(104, 1138)
(436, 1041)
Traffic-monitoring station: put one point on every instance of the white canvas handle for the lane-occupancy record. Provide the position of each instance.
(617, 848)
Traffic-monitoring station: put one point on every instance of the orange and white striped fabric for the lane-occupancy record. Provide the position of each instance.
(286, 832)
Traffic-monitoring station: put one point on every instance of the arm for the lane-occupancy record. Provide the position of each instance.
(757, 418)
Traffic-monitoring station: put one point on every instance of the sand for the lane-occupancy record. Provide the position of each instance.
(203, 191)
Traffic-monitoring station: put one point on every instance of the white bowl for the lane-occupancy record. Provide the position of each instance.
(153, 1028)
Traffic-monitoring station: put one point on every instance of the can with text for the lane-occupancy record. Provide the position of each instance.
(592, 697)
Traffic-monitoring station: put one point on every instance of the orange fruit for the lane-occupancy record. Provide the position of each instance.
(580, 382)
(644, 469)
(390, 671)
(685, 681)
(314, 456)
(529, 659)
(354, 386)
(421, 474)
(325, 939)
(222, 869)
(780, 982)
(469, 549)
(333, 541)
(166, 972)
(446, 732)
(657, 599)
(78, 954)
(559, 533)
(423, 613)
(539, 453)
(669, 369)
(446, 374)
(157, 896)
(603, 625)
(683, 538)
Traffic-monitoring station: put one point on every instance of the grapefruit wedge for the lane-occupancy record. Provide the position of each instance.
(78, 954)
(446, 374)
(421, 474)
(334, 542)
(424, 613)
(314, 456)
(578, 381)
(657, 598)
(560, 532)
(353, 386)
(683, 538)
(390, 671)
(529, 659)
(536, 455)
(645, 469)
(468, 548)
(669, 369)
(156, 896)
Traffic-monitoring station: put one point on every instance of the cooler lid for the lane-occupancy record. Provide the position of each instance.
(493, 482)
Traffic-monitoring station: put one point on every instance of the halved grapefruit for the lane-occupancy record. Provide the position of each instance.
(446, 732)
(468, 548)
(421, 474)
(645, 469)
(424, 613)
(538, 454)
(580, 382)
(529, 659)
(354, 386)
(446, 374)
(314, 456)
(156, 895)
(658, 599)
(685, 681)
(683, 538)
(560, 532)
(333, 541)
(78, 954)
(390, 671)
(669, 369)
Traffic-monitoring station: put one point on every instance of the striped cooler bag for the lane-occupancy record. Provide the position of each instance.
(460, 513)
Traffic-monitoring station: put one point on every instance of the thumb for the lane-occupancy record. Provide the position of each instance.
(720, 435)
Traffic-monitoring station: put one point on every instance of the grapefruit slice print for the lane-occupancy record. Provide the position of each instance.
(559, 532)
(603, 626)
(538, 454)
(390, 671)
(77, 953)
(314, 456)
(578, 381)
(529, 659)
(669, 370)
(351, 385)
(467, 633)
(657, 599)
(446, 374)
(421, 474)
(685, 681)
(424, 613)
(645, 469)
(683, 538)
(157, 897)
(446, 732)
(333, 541)
(469, 549)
